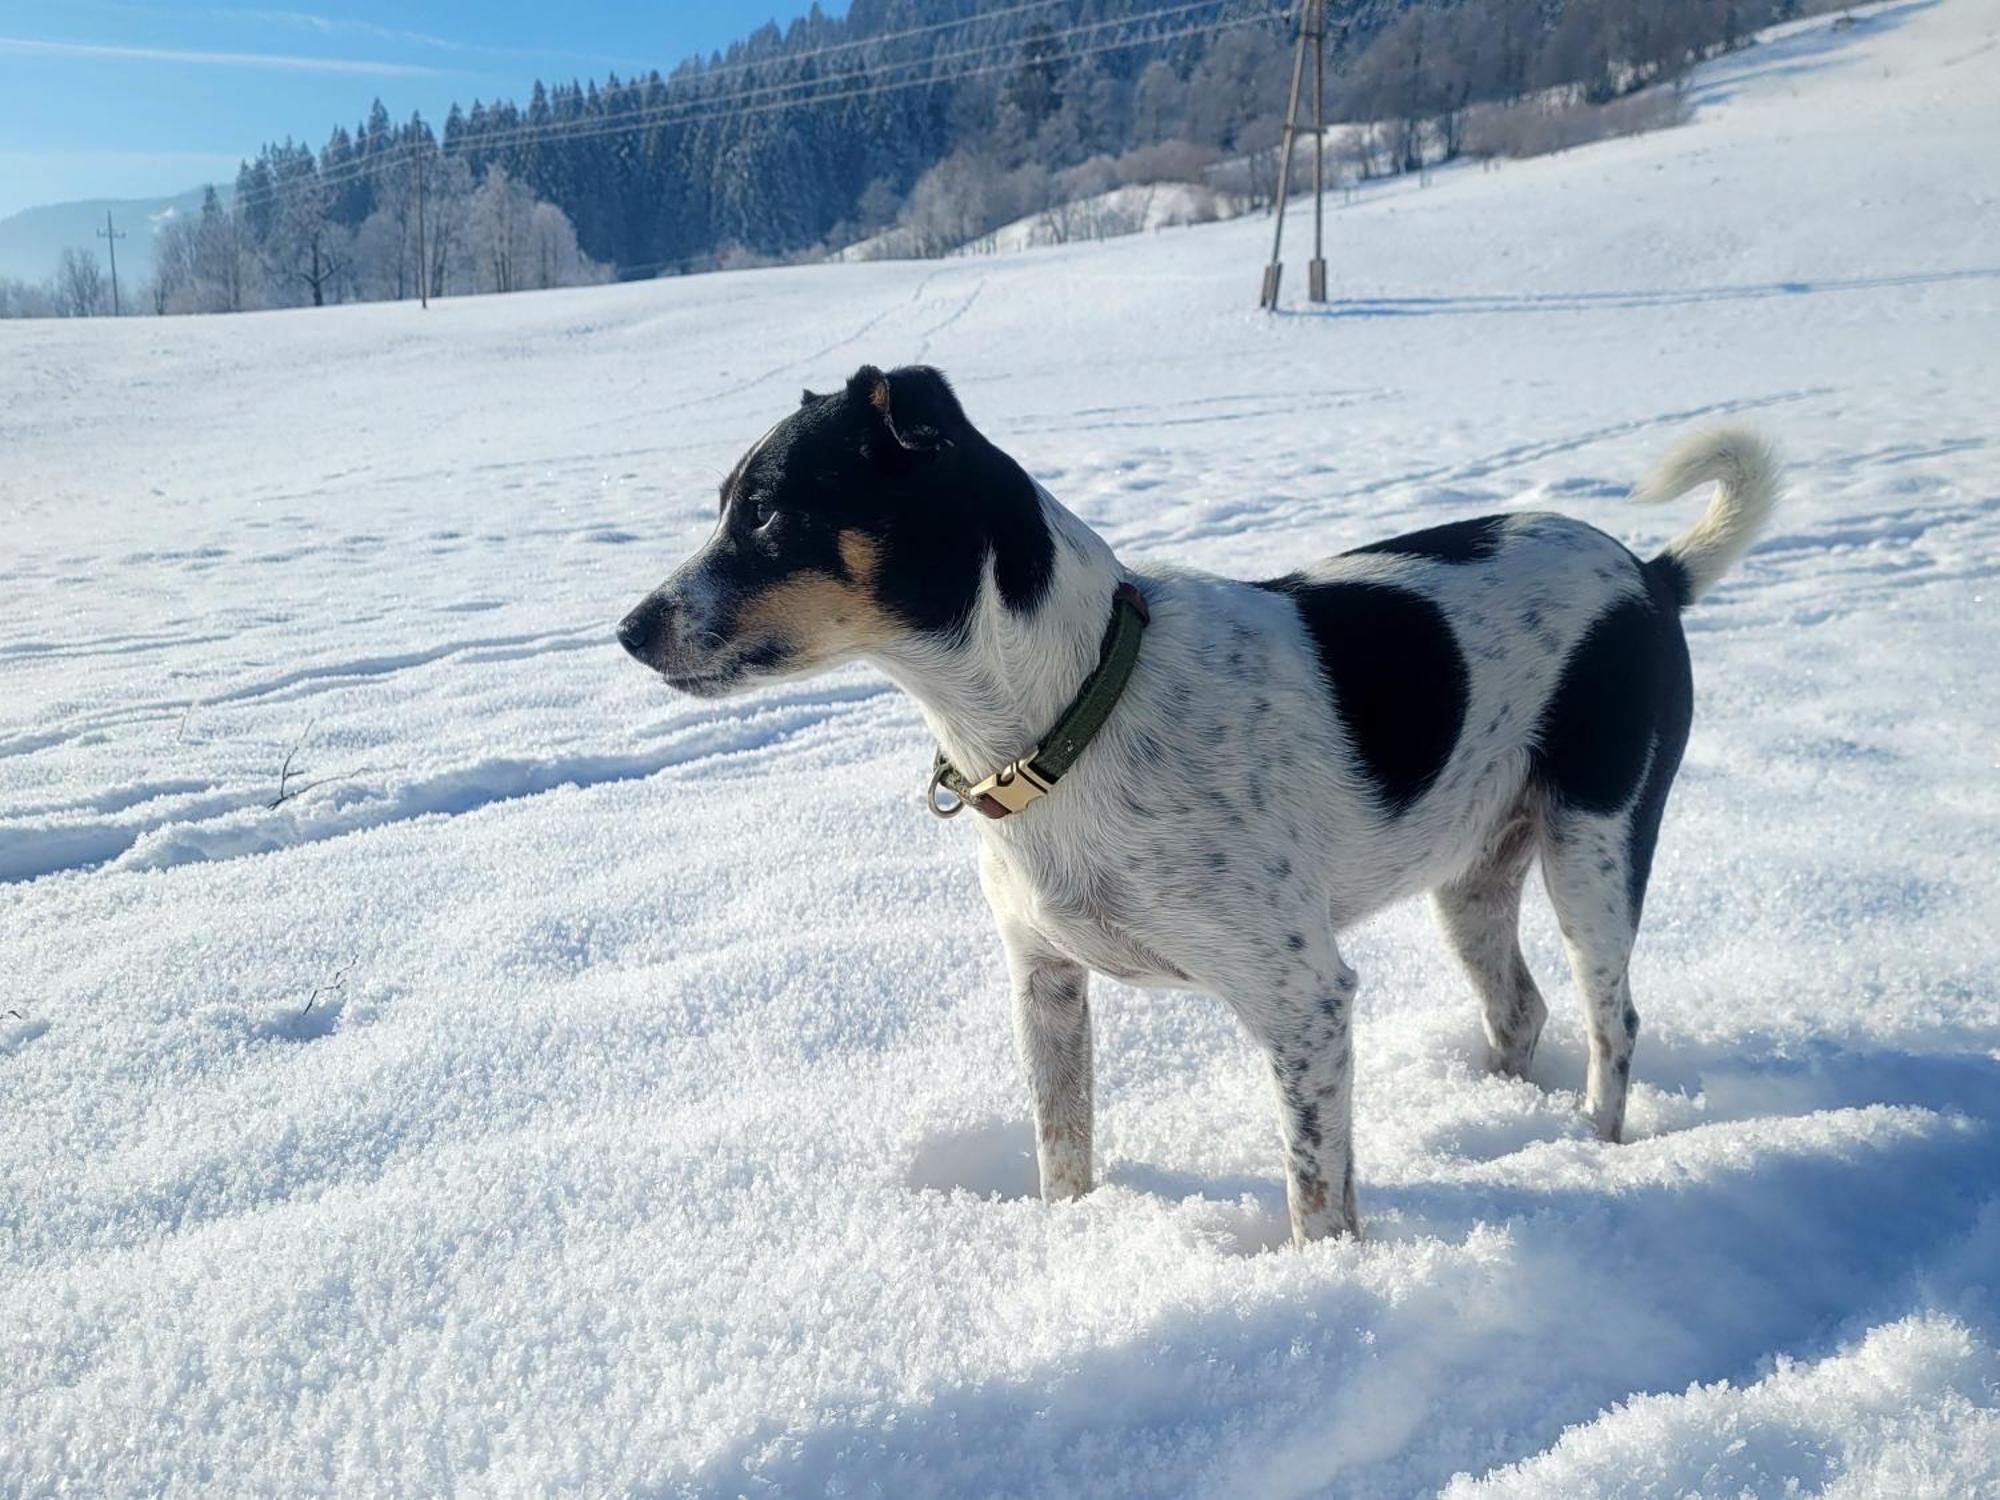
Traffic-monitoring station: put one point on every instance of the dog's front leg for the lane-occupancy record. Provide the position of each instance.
(1052, 1034)
(1307, 1043)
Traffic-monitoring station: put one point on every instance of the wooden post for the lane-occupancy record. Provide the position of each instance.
(1316, 269)
(1268, 299)
(111, 237)
(423, 260)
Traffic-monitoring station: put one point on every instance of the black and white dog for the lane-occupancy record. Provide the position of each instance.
(1431, 713)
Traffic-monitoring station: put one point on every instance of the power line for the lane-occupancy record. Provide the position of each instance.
(960, 24)
(686, 111)
(683, 114)
(783, 85)
(695, 107)
(691, 83)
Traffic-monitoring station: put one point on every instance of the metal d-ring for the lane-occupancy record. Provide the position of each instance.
(939, 809)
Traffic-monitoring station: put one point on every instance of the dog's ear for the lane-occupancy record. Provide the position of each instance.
(914, 404)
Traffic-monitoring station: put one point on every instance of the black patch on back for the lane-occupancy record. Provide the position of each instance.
(1398, 678)
(1453, 542)
(1612, 734)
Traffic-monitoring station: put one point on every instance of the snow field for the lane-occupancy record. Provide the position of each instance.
(582, 1090)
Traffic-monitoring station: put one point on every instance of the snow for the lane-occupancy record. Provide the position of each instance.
(1134, 208)
(583, 1090)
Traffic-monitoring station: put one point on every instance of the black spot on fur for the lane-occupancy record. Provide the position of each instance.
(1295, 941)
(1304, 1112)
(1454, 542)
(1398, 679)
(1597, 730)
(1612, 734)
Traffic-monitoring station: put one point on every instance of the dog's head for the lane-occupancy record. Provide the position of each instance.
(861, 519)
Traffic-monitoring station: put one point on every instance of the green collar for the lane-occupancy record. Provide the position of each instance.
(1020, 782)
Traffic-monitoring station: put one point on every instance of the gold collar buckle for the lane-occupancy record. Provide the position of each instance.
(1013, 786)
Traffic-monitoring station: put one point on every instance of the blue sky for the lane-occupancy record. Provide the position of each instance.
(137, 98)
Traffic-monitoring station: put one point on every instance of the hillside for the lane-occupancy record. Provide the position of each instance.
(578, 1089)
(32, 240)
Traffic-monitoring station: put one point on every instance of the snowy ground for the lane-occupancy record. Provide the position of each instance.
(589, 1091)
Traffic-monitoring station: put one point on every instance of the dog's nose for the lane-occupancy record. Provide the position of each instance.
(640, 631)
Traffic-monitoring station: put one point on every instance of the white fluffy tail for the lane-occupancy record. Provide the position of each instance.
(1745, 471)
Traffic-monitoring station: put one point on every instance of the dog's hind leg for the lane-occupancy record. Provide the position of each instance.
(1586, 862)
(1052, 1035)
(1609, 742)
(1480, 914)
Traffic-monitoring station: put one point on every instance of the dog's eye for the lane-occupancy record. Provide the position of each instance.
(763, 514)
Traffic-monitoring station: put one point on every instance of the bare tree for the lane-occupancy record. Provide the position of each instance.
(447, 200)
(553, 256)
(175, 256)
(24, 299)
(225, 278)
(966, 196)
(80, 285)
(1262, 142)
(385, 254)
(307, 250)
(1159, 103)
(498, 223)
(877, 206)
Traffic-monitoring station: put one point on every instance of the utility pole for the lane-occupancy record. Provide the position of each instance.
(1312, 27)
(423, 261)
(111, 237)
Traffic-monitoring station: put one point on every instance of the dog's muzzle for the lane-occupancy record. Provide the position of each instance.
(648, 630)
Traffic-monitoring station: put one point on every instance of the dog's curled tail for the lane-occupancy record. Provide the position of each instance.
(1745, 472)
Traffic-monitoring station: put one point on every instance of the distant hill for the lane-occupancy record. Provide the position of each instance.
(31, 240)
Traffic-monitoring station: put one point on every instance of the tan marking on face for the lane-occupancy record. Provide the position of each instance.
(878, 395)
(824, 617)
(861, 555)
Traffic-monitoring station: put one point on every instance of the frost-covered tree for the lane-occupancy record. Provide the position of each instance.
(225, 270)
(175, 256)
(1159, 104)
(554, 259)
(81, 290)
(306, 252)
(497, 231)
(26, 299)
(776, 145)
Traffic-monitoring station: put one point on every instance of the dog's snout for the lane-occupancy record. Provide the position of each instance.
(642, 631)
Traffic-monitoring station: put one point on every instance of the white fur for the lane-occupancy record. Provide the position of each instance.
(1745, 472)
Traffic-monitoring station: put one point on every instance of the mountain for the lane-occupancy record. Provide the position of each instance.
(31, 240)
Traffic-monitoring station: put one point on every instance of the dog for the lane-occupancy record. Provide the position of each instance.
(1239, 770)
